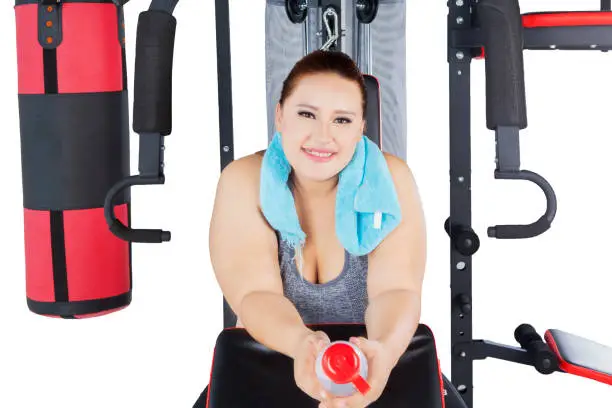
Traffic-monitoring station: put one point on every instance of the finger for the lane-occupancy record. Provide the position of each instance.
(368, 347)
(323, 338)
(358, 340)
(343, 402)
(324, 400)
(321, 335)
(326, 396)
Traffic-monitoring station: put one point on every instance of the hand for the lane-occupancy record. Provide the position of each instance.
(304, 361)
(380, 365)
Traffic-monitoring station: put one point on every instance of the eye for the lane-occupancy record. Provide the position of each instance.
(344, 120)
(306, 114)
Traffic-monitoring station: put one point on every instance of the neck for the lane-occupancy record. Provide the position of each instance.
(314, 189)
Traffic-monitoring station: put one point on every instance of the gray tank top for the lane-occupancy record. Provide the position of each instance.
(342, 300)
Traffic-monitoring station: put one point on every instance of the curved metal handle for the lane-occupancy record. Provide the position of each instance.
(536, 228)
(118, 228)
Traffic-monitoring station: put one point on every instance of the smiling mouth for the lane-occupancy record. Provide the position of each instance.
(318, 153)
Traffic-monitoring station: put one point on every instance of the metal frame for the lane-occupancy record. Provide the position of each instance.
(226, 113)
(465, 44)
(459, 59)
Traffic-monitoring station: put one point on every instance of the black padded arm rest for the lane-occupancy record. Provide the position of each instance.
(580, 356)
(373, 127)
(246, 374)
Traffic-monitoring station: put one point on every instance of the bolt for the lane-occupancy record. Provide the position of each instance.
(459, 72)
(459, 20)
(463, 354)
(461, 265)
(459, 55)
(460, 179)
(226, 149)
(459, 3)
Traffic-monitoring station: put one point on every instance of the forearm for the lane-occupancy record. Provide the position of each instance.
(273, 321)
(392, 318)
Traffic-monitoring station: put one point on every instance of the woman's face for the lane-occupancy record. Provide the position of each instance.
(321, 122)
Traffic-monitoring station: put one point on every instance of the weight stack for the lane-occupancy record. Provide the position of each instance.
(74, 126)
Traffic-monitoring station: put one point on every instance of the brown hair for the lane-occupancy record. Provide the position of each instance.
(321, 61)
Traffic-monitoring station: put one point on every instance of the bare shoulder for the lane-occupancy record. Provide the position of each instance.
(394, 162)
(407, 193)
(240, 178)
(401, 173)
(244, 170)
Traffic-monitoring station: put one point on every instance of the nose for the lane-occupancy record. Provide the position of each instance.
(323, 132)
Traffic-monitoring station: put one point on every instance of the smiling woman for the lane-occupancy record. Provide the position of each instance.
(321, 181)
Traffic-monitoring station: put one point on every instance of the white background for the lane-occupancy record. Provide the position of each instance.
(157, 353)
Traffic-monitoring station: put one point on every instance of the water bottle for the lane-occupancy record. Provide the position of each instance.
(342, 369)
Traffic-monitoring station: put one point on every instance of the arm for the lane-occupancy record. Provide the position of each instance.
(396, 270)
(244, 256)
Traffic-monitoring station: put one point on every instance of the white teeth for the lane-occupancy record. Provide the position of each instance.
(319, 154)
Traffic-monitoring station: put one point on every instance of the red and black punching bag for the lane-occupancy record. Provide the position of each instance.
(74, 126)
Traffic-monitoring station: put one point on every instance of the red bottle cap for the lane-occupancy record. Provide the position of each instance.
(341, 365)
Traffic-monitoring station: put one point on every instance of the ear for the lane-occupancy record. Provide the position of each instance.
(278, 117)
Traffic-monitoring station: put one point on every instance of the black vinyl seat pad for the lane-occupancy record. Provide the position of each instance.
(373, 129)
(246, 373)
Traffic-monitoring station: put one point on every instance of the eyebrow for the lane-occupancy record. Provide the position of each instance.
(304, 105)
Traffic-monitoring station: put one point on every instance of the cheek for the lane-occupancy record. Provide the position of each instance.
(347, 137)
(295, 124)
(348, 146)
(292, 145)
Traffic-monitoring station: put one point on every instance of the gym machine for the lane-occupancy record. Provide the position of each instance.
(90, 209)
(496, 31)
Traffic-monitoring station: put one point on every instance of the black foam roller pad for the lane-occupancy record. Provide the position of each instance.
(153, 74)
(502, 31)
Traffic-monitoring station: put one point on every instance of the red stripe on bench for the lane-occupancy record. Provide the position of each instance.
(574, 369)
(566, 19)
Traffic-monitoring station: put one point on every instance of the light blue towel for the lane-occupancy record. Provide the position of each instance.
(367, 207)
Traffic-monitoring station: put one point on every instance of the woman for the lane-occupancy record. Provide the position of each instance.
(321, 117)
